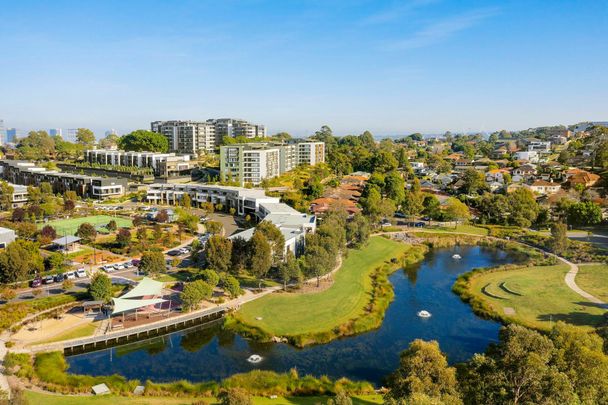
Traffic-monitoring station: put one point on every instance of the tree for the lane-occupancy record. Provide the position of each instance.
(152, 262)
(260, 256)
(523, 208)
(584, 213)
(394, 187)
(55, 261)
(86, 232)
(187, 220)
(111, 226)
(214, 227)
(70, 195)
(423, 369)
(559, 238)
(18, 214)
(36, 145)
(142, 140)
(210, 277)
(318, 261)
(194, 293)
(186, 201)
(69, 205)
(432, 207)
(231, 285)
(67, 284)
(473, 182)
(358, 230)
(234, 396)
(19, 259)
(162, 216)
(123, 238)
(100, 288)
(240, 254)
(6, 197)
(456, 210)
(85, 137)
(275, 238)
(288, 269)
(110, 141)
(218, 252)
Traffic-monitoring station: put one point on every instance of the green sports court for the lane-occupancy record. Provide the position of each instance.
(70, 226)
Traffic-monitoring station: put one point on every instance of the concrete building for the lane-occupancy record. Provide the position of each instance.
(189, 137)
(164, 164)
(20, 195)
(12, 134)
(249, 163)
(55, 132)
(254, 162)
(253, 202)
(6, 236)
(196, 136)
(530, 156)
(27, 173)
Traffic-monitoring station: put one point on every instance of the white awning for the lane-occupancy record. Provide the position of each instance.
(145, 287)
(122, 305)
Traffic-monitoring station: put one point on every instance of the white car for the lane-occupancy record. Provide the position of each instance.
(119, 266)
(81, 273)
(70, 275)
(107, 269)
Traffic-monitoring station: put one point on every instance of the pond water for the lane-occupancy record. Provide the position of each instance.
(209, 353)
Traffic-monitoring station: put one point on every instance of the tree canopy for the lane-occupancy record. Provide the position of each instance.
(143, 140)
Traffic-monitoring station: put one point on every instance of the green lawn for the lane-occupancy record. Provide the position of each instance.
(293, 314)
(475, 230)
(47, 399)
(544, 299)
(593, 278)
(70, 226)
(75, 333)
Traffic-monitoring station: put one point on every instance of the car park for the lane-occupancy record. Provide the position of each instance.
(37, 282)
(81, 273)
(48, 280)
(70, 275)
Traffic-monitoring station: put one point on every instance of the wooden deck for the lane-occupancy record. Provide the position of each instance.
(133, 334)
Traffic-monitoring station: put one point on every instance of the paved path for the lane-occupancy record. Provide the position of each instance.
(569, 278)
(3, 380)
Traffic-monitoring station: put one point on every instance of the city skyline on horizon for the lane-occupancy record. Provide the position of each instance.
(390, 67)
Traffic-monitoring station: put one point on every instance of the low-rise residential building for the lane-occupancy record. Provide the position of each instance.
(20, 195)
(582, 178)
(254, 162)
(253, 202)
(539, 146)
(163, 164)
(544, 187)
(6, 236)
(529, 156)
(27, 173)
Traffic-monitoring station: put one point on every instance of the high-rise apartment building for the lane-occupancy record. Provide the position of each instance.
(195, 136)
(12, 134)
(187, 136)
(254, 162)
(57, 132)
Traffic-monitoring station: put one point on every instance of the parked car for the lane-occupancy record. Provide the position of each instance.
(135, 262)
(174, 252)
(81, 273)
(59, 278)
(70, 275)
(119, 266)
(48, 280)
(37, 282)
(400, 215)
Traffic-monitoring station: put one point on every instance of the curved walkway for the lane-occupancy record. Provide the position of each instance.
(569, 278)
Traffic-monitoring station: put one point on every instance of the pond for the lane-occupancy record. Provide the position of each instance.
(209, 353)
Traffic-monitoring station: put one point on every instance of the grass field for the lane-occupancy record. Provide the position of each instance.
(47, 399)
(293, 314)
(70, 226)
(475, 230)
(593, 278)
(544, 298)
(75, 333)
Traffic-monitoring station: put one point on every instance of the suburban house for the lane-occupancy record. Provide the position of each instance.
(545, 187)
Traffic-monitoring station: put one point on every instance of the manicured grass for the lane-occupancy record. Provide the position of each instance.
(294, 314)
(545, 297)
(75, 333)
(593, 278)
(47, 399)
(475, 230)
(70, 226)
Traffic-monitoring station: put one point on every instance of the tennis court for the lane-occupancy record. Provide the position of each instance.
(70, 226)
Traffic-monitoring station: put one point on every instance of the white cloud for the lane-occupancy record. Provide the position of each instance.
(441, 30)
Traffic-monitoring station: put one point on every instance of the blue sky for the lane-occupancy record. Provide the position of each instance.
(392, 67)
